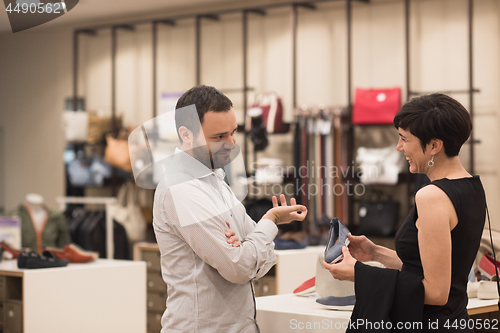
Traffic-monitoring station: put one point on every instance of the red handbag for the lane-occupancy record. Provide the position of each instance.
(272, 111)
(376, 106)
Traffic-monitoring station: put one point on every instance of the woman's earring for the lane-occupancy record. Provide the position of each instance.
(430, 163)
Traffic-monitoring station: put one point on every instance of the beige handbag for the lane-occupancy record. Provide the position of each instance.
(117, 153)
(128, 212)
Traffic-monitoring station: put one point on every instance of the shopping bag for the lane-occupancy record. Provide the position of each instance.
(376, 106)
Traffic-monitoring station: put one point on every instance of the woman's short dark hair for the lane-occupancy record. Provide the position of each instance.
(436, 116)
(205, 98)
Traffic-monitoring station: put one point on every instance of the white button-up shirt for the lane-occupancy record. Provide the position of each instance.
(208, 281)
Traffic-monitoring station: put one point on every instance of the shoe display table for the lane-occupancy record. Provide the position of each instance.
(295, 266)
(290, 313)
(100, 296)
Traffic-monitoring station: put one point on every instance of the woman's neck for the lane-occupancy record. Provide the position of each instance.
(447, 167)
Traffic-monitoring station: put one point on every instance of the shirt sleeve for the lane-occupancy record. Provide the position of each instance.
(267, 227)
(206, 236)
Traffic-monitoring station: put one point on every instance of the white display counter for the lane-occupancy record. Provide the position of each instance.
(99, 297)
(290, 313)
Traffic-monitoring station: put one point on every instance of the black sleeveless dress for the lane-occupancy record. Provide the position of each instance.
(468, 198)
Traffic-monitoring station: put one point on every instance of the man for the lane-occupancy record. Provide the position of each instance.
(207, 271)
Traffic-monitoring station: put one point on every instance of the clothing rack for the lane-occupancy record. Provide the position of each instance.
(319, 146)
(108, 202)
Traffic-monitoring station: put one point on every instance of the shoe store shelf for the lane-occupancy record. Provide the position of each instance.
(101, 296)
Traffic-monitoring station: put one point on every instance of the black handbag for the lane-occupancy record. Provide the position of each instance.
(378, 218)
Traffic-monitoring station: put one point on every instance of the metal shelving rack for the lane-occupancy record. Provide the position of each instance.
(261, 10)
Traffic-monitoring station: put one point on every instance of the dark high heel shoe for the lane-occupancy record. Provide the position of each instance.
(336, 240)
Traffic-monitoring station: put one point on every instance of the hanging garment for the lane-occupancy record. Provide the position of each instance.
(88, 230)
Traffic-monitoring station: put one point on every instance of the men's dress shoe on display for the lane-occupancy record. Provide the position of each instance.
(32, 260)
(9, 249)
(487, 290)
(305, 288)
(73, 253)
(487, 265)
(336, 240)
(338, 303)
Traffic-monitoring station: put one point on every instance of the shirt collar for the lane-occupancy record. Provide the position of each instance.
(195, 167)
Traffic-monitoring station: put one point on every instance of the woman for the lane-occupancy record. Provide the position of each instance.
(438, 241)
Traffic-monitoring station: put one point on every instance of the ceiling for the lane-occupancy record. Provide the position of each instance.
(90, 12)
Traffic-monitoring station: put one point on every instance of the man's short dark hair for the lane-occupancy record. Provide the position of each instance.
(206, 99)
(436, 116)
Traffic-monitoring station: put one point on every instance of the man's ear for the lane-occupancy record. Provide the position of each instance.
(186, 135)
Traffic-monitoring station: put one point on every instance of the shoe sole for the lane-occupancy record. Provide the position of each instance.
(337, 307)
(306, 291)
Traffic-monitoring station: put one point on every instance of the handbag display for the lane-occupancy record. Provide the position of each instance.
(376, 106)
(98, 127)
(88, 171)
(378, 218)
(272, 111)
(75, 126)
(258, 131)
(128, 212)
(117, 153)
(379, 165)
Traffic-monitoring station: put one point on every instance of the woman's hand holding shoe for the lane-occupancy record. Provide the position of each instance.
(344, 269)
(361, 248)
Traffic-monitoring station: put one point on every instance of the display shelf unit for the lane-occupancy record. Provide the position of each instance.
(170, 21)
(410, 92)
(156, 287)
(101, 296)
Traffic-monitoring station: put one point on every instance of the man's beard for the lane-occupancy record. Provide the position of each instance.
(214, 160)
